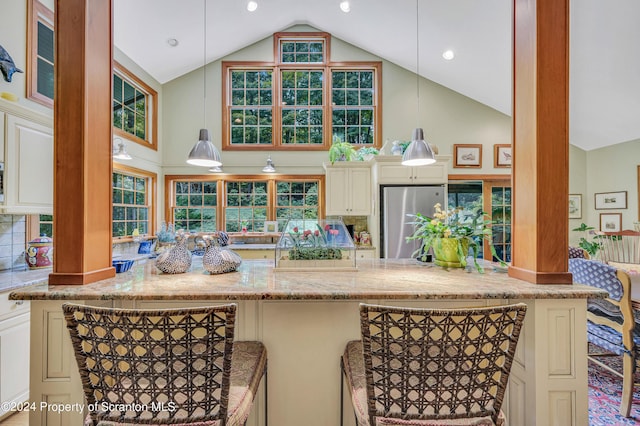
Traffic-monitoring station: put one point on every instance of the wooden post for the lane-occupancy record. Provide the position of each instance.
(82, 137)
(541, 141)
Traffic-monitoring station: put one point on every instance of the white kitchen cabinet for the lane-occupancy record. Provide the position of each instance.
(348, 191)
(14, 353)
(28, 176)
(390, 171)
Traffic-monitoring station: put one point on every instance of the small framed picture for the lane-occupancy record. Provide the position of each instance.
(501, 155)
(611, 200)
(610, 222)
(270, 226)
(575, 206)
(467, 155)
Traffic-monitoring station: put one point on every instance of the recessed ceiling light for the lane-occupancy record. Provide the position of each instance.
(252, 6)
(345, 7)
(448, 55)
(173, 42)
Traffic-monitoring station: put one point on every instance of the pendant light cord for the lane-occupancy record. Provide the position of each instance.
(418, 61)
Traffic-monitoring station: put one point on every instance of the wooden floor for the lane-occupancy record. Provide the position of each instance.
(18, 419)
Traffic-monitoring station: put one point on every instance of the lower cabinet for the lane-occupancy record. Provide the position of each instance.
(257, 254)
(14, 354)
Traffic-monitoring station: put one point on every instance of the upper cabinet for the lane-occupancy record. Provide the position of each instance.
(348, 191)
(28, 161)
(390, 171)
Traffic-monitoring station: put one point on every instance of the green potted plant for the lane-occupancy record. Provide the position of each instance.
(341, 151)
(366, 153)
(590, 247)
(451, 234)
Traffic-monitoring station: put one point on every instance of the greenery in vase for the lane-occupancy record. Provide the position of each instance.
(590, 247)
(314, 245)
(341, 151)
(366, 151)
(453, 223)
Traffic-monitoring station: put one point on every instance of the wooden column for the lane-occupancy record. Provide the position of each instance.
(540, 141)
(82, 135)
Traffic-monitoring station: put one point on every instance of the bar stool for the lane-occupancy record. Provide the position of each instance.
(431, 366)
(170, 366)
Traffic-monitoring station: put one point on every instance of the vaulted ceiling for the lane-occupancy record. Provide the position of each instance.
(604, 67)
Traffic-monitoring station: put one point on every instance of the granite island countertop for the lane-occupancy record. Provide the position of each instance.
(258, 280)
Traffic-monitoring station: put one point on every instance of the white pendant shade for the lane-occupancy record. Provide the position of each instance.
(418, 153)
(121, 153)
(270, 167)
(204, 153)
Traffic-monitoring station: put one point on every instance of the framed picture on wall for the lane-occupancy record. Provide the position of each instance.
(610, 222)
(501, 155)
(575, 206)
(270, 226)
(467, 155)
(611, 200)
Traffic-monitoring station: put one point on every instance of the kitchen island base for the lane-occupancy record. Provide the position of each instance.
(304, 340)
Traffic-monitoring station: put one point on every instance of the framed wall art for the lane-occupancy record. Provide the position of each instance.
(610, 222)
(501, 155)
(575, 206)
(611, 200)
(270, 226)
(467, 155)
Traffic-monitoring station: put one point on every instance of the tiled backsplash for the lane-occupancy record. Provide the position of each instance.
(12, 241)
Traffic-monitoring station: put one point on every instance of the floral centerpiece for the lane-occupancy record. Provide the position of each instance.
(454, 232)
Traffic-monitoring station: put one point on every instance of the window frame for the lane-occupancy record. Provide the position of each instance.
(37, 13)
(276, 67)
(151, 197)
(151, 105)
(169, 190)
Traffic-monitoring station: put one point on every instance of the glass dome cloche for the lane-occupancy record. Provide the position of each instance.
(315, 244)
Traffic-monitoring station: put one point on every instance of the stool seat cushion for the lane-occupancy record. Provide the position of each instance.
(248, 362)
(354, 367)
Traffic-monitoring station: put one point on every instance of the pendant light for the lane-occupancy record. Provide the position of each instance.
(204, 153)
(418, 153)
(121, 151)
(270, 167)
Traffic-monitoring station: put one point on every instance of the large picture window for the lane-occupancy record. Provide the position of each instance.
(234, 202)
(301, 100)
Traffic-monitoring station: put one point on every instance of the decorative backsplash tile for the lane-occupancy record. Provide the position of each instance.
(12, 241)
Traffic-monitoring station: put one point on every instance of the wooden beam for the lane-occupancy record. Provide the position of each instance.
(82, 139)
(541, 141)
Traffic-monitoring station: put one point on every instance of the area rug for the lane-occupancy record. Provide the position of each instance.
(604, 396)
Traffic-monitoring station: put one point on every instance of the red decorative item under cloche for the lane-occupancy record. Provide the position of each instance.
(39, 252)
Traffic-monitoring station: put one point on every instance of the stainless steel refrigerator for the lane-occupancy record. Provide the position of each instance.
(397, 203)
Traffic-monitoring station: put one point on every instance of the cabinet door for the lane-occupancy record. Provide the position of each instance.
(337, 192)
(14, 360)
(360, 186)
(29, 167)
(433, 173)
(395, 173)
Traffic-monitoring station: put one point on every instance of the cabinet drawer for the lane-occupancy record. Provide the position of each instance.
(365, 254)
(10, 308)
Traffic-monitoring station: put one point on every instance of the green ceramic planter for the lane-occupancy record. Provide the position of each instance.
(446, 252)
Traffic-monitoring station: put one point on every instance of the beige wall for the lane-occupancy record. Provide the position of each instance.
(613, 169)
(610, 169)
(446, 116)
